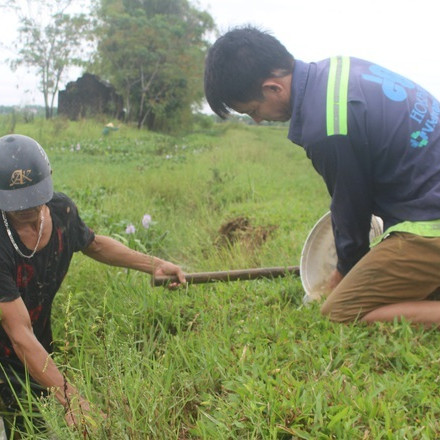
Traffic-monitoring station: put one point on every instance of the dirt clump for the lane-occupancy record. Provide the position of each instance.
(240, 231)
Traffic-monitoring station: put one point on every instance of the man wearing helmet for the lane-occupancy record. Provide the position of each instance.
(39, 232)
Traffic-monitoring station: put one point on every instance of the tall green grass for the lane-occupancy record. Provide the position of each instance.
(239, 360)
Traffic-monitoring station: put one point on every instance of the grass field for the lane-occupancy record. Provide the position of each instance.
(243, 360)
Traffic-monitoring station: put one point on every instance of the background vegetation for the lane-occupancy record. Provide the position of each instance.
(151, 51)
(51, 38)
(239, 360)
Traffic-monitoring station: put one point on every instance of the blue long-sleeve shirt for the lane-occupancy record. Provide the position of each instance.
(374, 137)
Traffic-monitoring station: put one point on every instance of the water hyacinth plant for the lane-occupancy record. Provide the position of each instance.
(146, 221)
(147, 239)
(130, 229)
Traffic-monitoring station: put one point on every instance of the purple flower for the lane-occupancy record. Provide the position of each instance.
(146, 221)
(130, 229)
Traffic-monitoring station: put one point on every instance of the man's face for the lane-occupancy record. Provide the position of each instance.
(273, 106)
(25, 215)
(264, 110)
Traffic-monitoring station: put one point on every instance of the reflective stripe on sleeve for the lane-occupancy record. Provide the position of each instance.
(337, 95)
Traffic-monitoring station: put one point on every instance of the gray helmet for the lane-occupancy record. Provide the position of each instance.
(25, 173)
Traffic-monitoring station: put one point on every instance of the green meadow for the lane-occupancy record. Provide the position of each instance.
(238, 360)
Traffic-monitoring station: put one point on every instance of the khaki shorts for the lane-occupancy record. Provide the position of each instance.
(403, 267)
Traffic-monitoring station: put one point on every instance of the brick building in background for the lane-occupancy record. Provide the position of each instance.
(89, 96)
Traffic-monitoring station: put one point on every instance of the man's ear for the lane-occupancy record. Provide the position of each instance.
(275, 86)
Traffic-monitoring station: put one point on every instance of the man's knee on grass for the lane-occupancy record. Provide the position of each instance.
(340, 314)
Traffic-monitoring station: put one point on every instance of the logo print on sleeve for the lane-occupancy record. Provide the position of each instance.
(393, 85)
(425, 113)
(419, 139)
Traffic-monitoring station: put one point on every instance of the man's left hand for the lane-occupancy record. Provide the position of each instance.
(165, 268)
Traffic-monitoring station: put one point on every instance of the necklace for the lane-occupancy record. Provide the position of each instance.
(40, 233)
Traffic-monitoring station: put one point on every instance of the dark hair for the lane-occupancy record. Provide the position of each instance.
(238, 63)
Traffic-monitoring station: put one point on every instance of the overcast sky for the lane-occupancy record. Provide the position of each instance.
(401, 35)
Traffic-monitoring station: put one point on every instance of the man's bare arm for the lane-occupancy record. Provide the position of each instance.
(17, 324)
(109, 251)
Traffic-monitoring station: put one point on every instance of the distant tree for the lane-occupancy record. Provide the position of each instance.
(152, 51)
(51, 38)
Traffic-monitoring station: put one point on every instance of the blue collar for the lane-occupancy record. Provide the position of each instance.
(299, 82)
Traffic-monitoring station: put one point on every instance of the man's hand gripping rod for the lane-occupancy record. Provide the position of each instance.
(228, 275)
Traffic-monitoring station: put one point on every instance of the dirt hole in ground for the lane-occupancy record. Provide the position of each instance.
(240, 230)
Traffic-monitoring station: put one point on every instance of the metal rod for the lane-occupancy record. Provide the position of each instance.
(229, 275)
